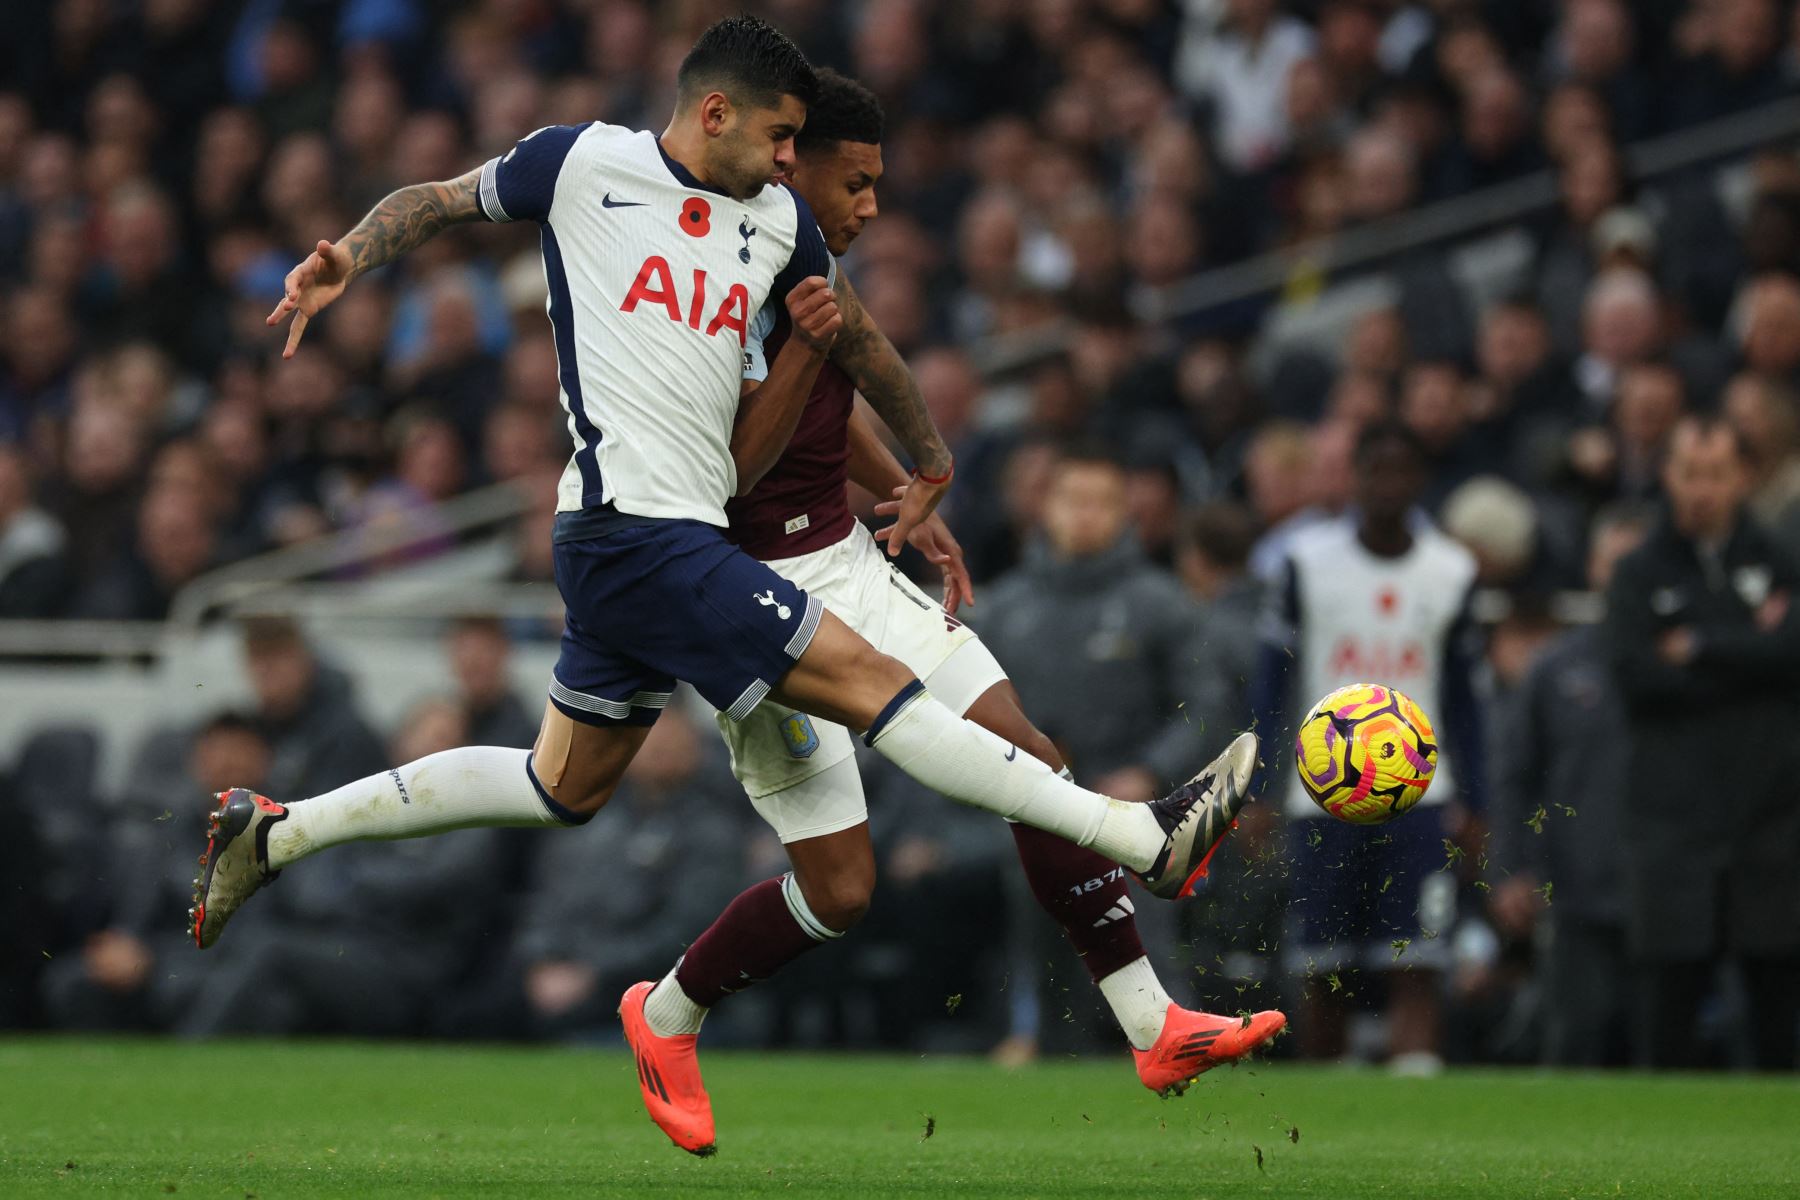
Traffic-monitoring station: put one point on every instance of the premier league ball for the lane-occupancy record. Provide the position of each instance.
(1366, 753)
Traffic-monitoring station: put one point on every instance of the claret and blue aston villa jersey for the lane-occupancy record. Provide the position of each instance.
(654, 281)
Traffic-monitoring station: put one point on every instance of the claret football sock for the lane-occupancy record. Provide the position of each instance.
(1088, 897)
(967, 763)
(765, 928)
(465, 788)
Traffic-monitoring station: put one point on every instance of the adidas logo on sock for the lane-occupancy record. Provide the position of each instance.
(1117, 912)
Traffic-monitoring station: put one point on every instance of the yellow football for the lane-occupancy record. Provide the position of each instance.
(1365, 753)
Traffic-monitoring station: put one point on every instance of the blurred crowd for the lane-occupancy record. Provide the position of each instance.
(1051, 165)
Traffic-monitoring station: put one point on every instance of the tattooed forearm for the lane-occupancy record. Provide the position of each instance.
(864, 353)
(410, 217)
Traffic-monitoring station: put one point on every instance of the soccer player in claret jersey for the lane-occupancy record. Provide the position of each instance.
(659, 252)
(801, 775)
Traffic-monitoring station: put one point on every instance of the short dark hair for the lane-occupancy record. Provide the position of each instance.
(1089, 452)
(272, 634)
(1711, 425)
(842, 110)
(488, 625)
(1223, 532)
(229, 722)
(748, 59)
(1384, 433)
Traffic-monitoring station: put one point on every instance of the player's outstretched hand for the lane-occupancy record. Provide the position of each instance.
(914, 502)
(312, 285)
(813, 308)
(934, 540)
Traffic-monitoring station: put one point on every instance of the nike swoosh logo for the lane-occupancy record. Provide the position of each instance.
(607, 201)
(1012, 752)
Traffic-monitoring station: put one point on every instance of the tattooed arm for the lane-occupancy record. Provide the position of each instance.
(408, 218)
(863, 352)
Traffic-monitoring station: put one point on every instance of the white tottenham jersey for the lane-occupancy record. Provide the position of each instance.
(1354, 617)
(654, 280)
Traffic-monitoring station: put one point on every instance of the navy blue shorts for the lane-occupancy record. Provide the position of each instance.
(1375, 896)
(651, 602)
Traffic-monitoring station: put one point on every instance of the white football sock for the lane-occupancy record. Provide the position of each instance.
(967, 763)
(456, 789)
(1138, 1001)
(667, 1009)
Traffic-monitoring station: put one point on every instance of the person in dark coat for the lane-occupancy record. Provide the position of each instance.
(138, 970)
(1556, 818)
(1089, 618)
(308, 711)
(1705, 645)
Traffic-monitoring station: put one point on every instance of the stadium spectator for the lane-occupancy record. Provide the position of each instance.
(177, 540)
(1591, 182)
(1738, 64)
(369, 946)
(481, 659)
(607, 910)
(1560, 807)
(1241, 70)
(1766, 417)
(138, 970)
(95, 493)
(33, 559)
(1087, 615)
(1705, 646)
(1770, 329)
(1622, 459)
(1620, 325)
(41, 348)
(1495, 142)
(1595, 46)
(307, 711)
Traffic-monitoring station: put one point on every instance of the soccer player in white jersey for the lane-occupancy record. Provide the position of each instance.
(802, 775)
(1378, 596)
(658, 252)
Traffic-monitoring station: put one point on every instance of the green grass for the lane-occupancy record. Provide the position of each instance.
(143, 1118)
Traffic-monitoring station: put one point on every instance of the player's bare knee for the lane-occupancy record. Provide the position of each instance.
(585, 798)
(841, 899)
(579, 766)
(874, 665)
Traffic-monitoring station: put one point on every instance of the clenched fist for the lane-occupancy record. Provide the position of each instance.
(813, 308)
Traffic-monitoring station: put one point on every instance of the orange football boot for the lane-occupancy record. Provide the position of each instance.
(1193, 1043)
(668, 1071)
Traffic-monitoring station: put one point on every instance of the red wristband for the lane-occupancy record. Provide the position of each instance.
(940, 480)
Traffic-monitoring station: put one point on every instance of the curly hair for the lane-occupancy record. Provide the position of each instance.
(843, 110)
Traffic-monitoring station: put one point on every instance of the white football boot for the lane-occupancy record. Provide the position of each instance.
(236, 860)
(1197, 816)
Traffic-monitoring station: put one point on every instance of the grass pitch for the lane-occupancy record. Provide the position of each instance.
(140, 1118)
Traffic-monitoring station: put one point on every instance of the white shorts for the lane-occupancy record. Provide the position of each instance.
(776, 752)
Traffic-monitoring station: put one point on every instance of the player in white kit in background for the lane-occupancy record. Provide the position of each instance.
(1380, 595)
